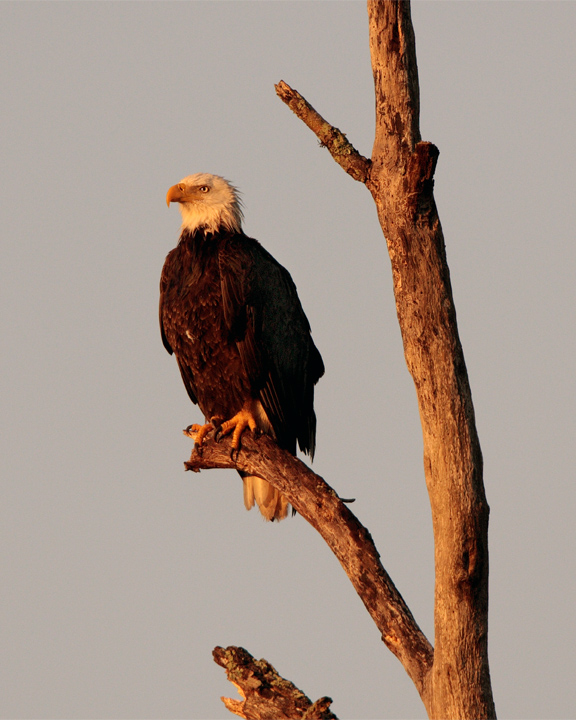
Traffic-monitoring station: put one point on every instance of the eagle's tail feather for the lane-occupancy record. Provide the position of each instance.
(273, 505)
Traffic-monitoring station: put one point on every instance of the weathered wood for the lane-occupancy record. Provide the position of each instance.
(400, 178)
(348, 539)
(265, 693)
(401, 184)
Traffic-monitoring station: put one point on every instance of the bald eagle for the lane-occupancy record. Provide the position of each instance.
(231, 315)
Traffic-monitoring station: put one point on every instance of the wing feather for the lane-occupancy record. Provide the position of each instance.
(267, 322)
(163, 288)
(166, 320)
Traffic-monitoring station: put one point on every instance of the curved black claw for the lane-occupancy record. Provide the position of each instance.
(216, 423)
(236, 450)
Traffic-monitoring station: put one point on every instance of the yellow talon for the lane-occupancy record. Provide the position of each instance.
(199, 432)
(245, 418)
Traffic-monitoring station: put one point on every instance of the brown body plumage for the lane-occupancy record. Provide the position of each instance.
(231, 315)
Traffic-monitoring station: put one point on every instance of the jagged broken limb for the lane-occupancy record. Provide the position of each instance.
(265, 693)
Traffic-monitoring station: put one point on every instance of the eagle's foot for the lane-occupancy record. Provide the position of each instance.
(199, 432)
(218, 432)
(242, 420)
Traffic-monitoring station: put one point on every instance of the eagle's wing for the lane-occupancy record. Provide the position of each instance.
(163, 288)
(166, 321)
(267, 322)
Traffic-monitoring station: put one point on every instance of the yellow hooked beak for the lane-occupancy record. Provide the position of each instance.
(177, 193)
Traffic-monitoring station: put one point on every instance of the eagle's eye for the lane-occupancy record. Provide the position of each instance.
(204, 188)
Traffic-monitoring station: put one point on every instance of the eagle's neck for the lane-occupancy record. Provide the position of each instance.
(211, 218)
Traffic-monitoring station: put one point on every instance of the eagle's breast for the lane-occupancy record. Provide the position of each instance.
(196, 328)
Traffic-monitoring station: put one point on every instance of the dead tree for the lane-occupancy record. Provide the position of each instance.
(452, 677)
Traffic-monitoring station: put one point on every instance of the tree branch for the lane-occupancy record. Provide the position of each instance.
(337, 143)
(348, 539)
(266, 694)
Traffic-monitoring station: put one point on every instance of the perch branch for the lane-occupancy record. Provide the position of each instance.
(266, 694)
(336, 141)
(348, 539)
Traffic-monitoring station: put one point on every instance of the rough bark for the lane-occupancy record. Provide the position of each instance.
(401, 184)
(265, 693)
(400, 178)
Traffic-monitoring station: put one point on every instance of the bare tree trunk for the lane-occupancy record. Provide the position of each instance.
(399, 176)
(453, 679)
(401, 183)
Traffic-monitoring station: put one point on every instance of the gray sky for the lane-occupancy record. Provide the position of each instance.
(120, 572)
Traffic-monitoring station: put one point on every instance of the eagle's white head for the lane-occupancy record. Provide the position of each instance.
(208, 202)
